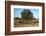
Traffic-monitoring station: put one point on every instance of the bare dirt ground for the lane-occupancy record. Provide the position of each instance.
(25, 25)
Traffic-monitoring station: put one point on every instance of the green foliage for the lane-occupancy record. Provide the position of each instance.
(17, 17)
(26, 13)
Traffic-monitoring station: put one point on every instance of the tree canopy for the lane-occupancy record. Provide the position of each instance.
(26, 13)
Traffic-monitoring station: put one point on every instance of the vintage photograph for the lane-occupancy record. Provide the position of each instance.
(26, 17)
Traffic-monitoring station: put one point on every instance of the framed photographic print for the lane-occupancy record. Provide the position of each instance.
(24, 17)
